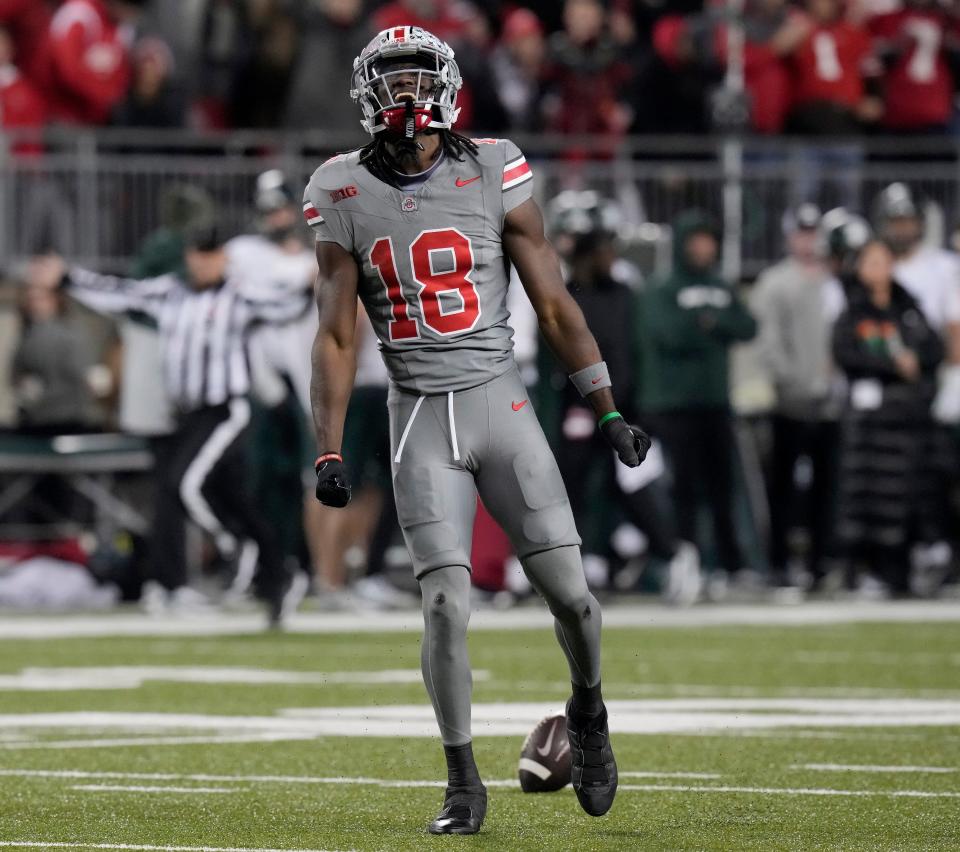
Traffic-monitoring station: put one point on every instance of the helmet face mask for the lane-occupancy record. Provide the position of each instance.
(406, 81)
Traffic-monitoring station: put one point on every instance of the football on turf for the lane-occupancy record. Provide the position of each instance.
(545, 757)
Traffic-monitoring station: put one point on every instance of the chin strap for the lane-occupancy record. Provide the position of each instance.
(410, 121)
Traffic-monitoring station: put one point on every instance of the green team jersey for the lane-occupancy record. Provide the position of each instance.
(433, 275)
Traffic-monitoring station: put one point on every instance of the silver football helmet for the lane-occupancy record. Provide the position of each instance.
(405, 81)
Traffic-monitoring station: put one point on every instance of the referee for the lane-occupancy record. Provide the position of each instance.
(204, 322)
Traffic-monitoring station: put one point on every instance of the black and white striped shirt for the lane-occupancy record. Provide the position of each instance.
(203, 333)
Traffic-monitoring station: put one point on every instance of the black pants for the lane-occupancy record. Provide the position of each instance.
(203, 475)
(793, 439)
(699, 444)
(576, 458)
(366, 446)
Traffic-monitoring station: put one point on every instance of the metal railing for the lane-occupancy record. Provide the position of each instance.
(96, 195)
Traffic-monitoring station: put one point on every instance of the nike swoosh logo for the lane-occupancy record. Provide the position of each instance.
(544, 750)
(594, 381)
(461, 183)
(518, 405)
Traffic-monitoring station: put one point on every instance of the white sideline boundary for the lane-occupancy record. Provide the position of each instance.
(650, 615)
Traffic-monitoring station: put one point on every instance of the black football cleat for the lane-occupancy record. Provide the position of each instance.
(594, 770)
(463, 811)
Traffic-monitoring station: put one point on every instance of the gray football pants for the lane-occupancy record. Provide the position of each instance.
(447, 449)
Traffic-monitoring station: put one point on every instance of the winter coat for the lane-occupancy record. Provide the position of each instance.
(892, 461)
(689, 321)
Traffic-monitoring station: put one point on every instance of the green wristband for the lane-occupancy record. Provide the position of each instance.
(609, 416)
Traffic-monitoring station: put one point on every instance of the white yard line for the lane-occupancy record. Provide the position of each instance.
(120, 742)
(880, 658)
(856, 767)
(704, 776)
(520, 618)
(694, 690)
(76, 775)
(139, 847)
(121, 788)
(704, 716)
(418, 783)
(133, 677)
(825, 735)
(786, 791)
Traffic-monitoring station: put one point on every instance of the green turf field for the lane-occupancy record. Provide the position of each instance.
(827, 736)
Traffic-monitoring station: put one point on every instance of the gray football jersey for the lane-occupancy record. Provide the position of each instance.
(433, 276)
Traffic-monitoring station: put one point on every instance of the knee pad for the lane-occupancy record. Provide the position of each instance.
(446, 611)
(574, 608)
(557, 575)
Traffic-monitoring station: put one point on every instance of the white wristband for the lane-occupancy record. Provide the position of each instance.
(592, 378)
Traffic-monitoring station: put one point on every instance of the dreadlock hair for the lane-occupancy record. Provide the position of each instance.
(380, 162)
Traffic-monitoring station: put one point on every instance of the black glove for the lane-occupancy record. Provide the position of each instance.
(630, 442)
(333, 486)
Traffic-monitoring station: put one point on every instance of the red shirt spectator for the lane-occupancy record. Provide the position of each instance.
(768, 82)
(766, 77)
(27, 21)
(587, 75)
(518, 68)
(88, 64)
(917, 81)
(829, 64)
(831, 60)
(21, 105)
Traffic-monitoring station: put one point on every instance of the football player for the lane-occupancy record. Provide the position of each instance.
(422, 223)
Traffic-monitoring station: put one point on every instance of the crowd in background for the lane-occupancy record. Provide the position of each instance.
(805, 427)
(819, 67)
(840, 473)
(846, 374)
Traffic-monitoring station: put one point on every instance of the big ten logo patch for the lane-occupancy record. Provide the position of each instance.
(344, 192)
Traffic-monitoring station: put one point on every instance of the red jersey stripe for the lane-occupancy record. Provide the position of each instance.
(515, 172)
